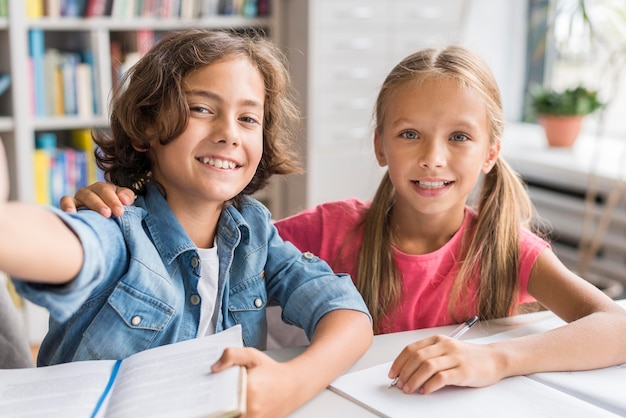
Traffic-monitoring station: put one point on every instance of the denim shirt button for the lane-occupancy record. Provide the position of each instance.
(194, 299)
(258, 302)
(135, 320)
(308, 255)
(195, 262)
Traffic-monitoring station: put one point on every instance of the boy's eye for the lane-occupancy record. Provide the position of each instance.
(409, 135)
(459, 137)
(249, 119)
(199, 109)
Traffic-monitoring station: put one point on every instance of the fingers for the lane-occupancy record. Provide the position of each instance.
(69, 204)
(107, 199)
(246, 357)
(426, 366)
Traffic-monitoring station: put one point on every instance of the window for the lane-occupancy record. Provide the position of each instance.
(581, 42)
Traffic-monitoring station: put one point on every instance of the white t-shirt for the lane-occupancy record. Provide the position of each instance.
(207, 288)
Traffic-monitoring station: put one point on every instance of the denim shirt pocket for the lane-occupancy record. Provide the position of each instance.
(129, 322)
(246, 305)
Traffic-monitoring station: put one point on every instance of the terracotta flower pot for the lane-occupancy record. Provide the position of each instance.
(561, 131)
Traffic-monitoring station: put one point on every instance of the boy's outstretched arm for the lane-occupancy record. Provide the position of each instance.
(35, 244)
(277, 389)
(105, 198)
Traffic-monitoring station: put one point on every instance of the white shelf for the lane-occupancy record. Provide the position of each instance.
(80, 24)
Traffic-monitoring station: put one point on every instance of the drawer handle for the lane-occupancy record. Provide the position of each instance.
(360, 12)
(426, 13)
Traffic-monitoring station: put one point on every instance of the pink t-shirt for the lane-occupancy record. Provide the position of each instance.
(327, 230)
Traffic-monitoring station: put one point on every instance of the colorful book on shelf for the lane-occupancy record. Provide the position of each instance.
(54, 82)
(43, 160)
(95, 8)
(41, 164)
(84, 90)
(34, 8)
(172, 380)
(36, 40)
(82, 140)
(5, 83)
(70, 61)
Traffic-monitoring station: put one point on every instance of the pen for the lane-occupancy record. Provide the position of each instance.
(458, 331)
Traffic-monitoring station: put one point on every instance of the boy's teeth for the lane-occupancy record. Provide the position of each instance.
(216, 162)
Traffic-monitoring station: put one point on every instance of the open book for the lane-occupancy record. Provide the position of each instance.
(593, 393)
(169, 381)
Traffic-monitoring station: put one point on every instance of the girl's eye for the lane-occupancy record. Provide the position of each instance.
(459, 137)
(409, 135)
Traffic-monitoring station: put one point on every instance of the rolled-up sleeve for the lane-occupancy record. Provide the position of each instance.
(306, 287)
(105, 257)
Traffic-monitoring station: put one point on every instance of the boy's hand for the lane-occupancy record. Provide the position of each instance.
(105, 198)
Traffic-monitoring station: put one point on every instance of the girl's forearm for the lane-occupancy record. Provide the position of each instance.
(594, 341)
(36, 245)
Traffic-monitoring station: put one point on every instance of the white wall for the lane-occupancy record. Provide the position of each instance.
(496, 29)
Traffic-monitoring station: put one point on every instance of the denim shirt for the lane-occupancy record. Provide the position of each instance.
(138, 286)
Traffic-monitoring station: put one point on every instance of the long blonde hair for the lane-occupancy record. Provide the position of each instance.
(503, 205)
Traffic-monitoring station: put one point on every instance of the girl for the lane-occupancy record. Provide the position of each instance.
(203, 120)
(421, 257)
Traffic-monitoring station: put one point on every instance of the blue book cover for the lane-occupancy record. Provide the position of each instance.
(37, 51)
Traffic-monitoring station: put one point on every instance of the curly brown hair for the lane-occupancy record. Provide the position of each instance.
(150, 105)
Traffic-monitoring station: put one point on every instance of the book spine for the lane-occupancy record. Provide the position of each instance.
(37, 51)
(45, 150)
(84, 89)
(81, 140)
(70, 63)
(34, 9)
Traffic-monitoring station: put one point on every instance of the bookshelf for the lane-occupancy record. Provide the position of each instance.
(90, 40)
(20, 125)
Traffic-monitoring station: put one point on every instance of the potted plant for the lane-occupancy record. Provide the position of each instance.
(561, 112)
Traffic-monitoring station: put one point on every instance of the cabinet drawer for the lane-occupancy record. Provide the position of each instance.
(352, 14)
(346, 44)
(417, 13)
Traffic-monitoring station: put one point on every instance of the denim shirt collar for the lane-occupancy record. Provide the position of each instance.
(170, 238)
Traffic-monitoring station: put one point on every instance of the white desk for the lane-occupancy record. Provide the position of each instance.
(386, 347)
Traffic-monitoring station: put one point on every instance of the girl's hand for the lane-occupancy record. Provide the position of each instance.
(105, 198)
(432, 363)
(270, 384)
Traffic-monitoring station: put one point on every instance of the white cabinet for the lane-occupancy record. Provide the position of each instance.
(339, 52)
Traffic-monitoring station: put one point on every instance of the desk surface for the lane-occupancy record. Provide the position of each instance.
(385, 348)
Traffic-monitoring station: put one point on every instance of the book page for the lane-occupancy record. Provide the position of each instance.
(176, 380)
(61, 391)
(602, 387)
(512, 397)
